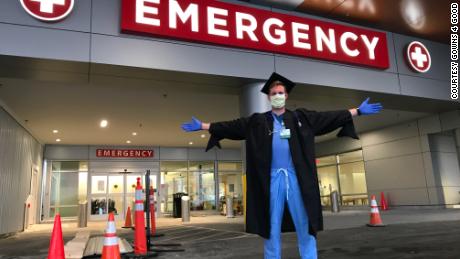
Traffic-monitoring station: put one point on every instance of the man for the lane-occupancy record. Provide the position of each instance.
(280, 164)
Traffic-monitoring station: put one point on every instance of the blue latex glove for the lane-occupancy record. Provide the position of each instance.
(193, 125)
(369, 108)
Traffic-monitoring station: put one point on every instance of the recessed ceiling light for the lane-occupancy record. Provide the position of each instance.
(190, 143)
(103, 123)
(58, 140)
(128, 141)
(203, 136)
(134, 133)
(55, 131)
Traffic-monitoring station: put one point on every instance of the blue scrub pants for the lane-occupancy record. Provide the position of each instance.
(284, 187)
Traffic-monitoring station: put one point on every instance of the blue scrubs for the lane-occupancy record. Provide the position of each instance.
(285, 188)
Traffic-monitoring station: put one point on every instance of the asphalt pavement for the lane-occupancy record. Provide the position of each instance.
(408, 234)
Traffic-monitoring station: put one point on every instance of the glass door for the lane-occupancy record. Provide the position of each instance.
(107, 195)
(116, 196)
(131, 181)
(98, 197)
(115, 193)
(202, 185)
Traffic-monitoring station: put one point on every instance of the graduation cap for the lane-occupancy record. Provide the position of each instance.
(288, 84)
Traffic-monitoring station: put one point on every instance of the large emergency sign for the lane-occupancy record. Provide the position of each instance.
(220, 23)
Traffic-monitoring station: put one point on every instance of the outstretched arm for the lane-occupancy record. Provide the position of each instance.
(366, 108)
(353, 111)
(194, 125)
(327, 121)
(205, 125)
(235, 129)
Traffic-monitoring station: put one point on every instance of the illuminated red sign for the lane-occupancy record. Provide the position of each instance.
(216, 22)
(132, 153)
(48, 10)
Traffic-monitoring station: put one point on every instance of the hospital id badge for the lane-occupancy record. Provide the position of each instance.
(285, 133)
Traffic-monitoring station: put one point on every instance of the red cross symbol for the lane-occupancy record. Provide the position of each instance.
(418, 57)
(48, 10)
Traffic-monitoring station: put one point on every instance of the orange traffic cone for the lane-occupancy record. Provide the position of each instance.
(375, 221)
(152, 211)
(111, 250)
(140, 240)
(128, 221)
(383, 202)
(56, 250)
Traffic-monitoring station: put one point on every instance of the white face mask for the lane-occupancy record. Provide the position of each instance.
(278, 100)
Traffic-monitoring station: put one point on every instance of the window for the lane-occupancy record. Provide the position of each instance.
(202, 190)
(68, 187)
(173, 180)
(195, 178)
(328, 182)
(230, 186)
(343, 173)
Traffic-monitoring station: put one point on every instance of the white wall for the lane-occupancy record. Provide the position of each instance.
(20, 156)
(414, 163)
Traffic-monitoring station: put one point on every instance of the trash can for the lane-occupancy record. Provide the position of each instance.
(185, 208)
(82, 214)
(177, 206)
(335, 207)
(230, 207)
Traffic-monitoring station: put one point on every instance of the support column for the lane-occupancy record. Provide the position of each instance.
(251, 100)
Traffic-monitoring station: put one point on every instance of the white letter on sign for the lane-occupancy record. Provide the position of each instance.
(321, 37)
(370, 45)
(249, 29)
(297, 35)
(175, 10)
(213, 21)
(141, 9)
(343, 42)
(280, 33)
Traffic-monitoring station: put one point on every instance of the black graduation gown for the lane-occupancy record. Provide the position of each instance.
(255, 129)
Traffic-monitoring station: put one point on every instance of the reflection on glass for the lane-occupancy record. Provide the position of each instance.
(98, 206)
(130, 201)
(131, 182)
(82, 186)
(174, 182)
(327, 180)
(353, 183)
(69, 166)
(348, 174)
(98, 184)
(67, 187)
(201, 166)
(176, 166)
(230, 185)
(153, 181)
(350, 157)
(116, 184)
(64, 211)
(202, 191)
(327, 160)
(230, 166)
(116, 205)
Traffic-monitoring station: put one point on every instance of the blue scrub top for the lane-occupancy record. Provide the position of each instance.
(281, 155)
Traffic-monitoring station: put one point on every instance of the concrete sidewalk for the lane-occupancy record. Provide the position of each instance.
(355, 218)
